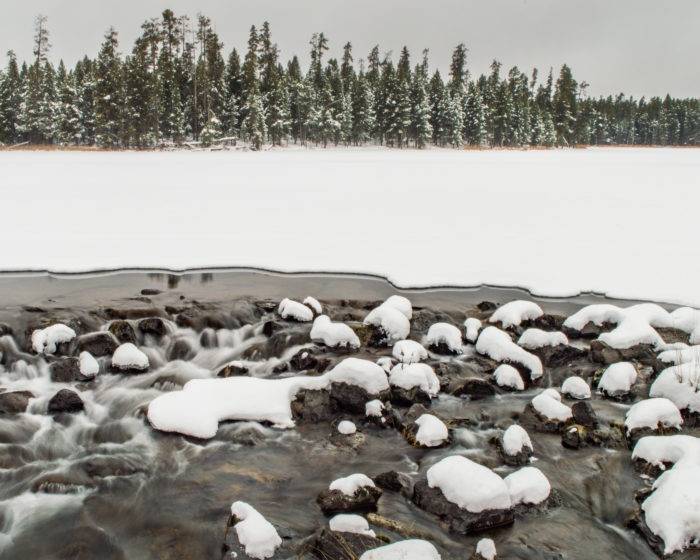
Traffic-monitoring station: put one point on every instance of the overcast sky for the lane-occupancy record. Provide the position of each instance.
(641, 47)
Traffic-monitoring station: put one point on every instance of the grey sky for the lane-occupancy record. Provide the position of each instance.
(641, 47)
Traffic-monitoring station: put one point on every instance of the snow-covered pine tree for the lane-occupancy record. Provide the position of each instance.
(109, 93)
(254, 127)
(421, 131)
(85, 99)
(564, 106)
(363, 119)
(438, 108)
(455, 120)
(475, 117)
(10, 101)
(234, 93)
(67, 111)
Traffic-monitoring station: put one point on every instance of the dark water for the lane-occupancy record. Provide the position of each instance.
(103, 484)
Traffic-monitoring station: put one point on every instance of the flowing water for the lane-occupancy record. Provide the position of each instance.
(103, 484)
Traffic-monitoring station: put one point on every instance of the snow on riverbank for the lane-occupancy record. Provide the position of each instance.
(530, 218)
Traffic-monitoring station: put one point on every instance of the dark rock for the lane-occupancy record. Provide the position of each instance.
(520, 459)
(560, 355)
(311, 406)
(280, 368)
(98, 344)
(180, 349)
(486, 306)
(352, 398)
(15, 402)
(5, 329)
(395, 482)
(530, 418)
(574, 437)
(589, 330)
(411, 431)
(137, 313)
(642, 353)
(271, 327)
(335, 501)
(475, 388)
(407, 397)
(372, 336)
(65, 401)
(208, 338)
(458, 520)
(123, 331)
(341, 546)
(67, 370)
(423, 318)
(548, 322)
(584, 414)
(306, 360)
(150, 292)
(153, 326)
(234, 369)
(442, 348)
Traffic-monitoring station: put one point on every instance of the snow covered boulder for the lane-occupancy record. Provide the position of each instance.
(515, 446)
(409, 352)
(680, 384)
(533, 339)
(551, 347)
(354, 382)
(249, 535)
(354, 493)
(346, 435)
(466, 495)
(411, 383)
(652, 415)
(485, 550)
(291, 310)
(427, 431)
(313, 304)
(403, 550)
(347, 537)
(509, 378)
(617, 380)
(575, 387)
(307, 359)
(334, 335)
(687, 319)
(669, 517)
(47, 340)
(472, 326)
(444, 338)
(497, 345)
(513, 313)
(546, 412)
(528, 486)
(129, 359)
(390, 321)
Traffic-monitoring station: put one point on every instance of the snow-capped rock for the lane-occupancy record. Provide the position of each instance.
(444, 338)
(128, 358)
(314, 304)
(432, 432)
(497, 345)
(409, 351)
(548, 404)
(617, 379)
(403, 550)
(362, 373)
(89, 367)
(410, 376)
(257, 535)
(350, 523)
(485, 550)
(532, 339)
(575, 387)
(45, 341)
(653, 414)
(392, 317)
(334, 335)
(346, 427)
(374, 408)
(528, 486)
(508, 377)
(351, 484)
(472, 326)
(516, 440)
(295, 311)
(515, 312)
(680, 384)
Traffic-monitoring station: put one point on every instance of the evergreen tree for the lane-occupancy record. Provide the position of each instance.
(363, 117)
(10, 102)
(109, 93)
(564, 106)
(475, 118)
(67, 112)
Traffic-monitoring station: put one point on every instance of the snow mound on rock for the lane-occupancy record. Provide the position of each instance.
(469, 485)
(575, 387)
(413, 549)
(618, 378)
(515, 312)
(45, 340)
(548, 404)
(653, 413)
(486, 548)
(335, 335)
(128, 356)
(533, 339)
(314, 304)
(528, 486)
(89, 367)
(346, 427)
(672, 510)
(350, 523)
(684, 355)
(472, 326)
(392, 317)
(257, 535)
(409, 351)
(680, 384)
(408, 376)
(515, 438)
(635, 324)
(290, 309)
(507, 376)
(386, 363)
(497, 345)
(444, 333)
(431, 431)
(688, 320)
(351, 484)
(374, 408)
(363, 373)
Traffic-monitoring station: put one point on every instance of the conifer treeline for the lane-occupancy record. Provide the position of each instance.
(176, 86)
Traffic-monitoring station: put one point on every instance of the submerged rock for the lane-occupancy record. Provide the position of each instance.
(153, 326)
(15, 402)
(395, 482)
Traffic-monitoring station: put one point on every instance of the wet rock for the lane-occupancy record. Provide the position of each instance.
(5, 330)
(407, 397)
(423, 318)
(410, 433)
(520, 459)
(312, 406)
(372, 336)
(475, 388)
(306, 360)
(574, 437)
(208, 338)
(560, 355)
(348, 441)
(335, 501)
(548, 322)
(642, 353)
(443, 349)
(98, 344)
(65, 401)
(180, 349)
(486, 306)
(395, 482)
(80, 543)
(458, 520)
(234, 369)
(271, 327)
(15, 402)
(233, 549)
(123, 331)
(589, 330)
(531, 418)
(151, 292)
(352, 398)
(340, 545)
(153, 326)
(584, 415)
(67, 370)
(671, 335)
